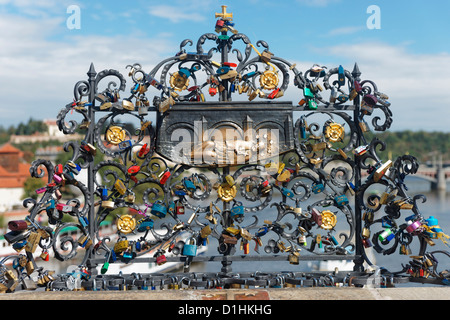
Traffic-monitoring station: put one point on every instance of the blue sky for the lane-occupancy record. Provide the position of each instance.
(41, 59)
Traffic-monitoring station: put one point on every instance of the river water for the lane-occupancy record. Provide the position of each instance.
(437, 205)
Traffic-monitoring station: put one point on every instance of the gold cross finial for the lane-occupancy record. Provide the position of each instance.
(224, 15)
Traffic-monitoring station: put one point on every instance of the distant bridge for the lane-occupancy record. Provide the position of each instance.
(437, 172)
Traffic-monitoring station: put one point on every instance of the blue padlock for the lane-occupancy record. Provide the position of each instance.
(189, 185)
(145, 225)
(341, 200)
(317, 187)
(190, 248)
(222, 70)
(237, 211)
(248, 75)
(159, 209)
(287, 192)
(262, 231)
(341, 76)
(184, 72)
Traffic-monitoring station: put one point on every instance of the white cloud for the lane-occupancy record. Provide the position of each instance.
(39, 74)
(175, 13)
(345, 30)
(317, 3)
(416, 83)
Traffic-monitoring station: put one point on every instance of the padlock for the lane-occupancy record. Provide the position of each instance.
(120, 187)
(387, 235)
(121, 245)
(312, 104)
(363, 125)
(190, 247)
(308, 93)
(18, 246)
(164, 176)
(266, 56)
(433, 224)
(160, 258)
(341, 200)
(365, 233)
(317, 187)
(85, 241)
(189, 185)
(262, 231)
(32, 242)
(44, 255)
(284, 176)
(205, 231)
(287, 192)
(228, 239)
(319, 240)
(381, 171)
(333, 95)
(237, 211)
(17, 225)
(30, 267)
(159, 209)
(370, 100)
(247, 76)
(343, 98)
(366, 109)
(366, 243)
(316, 216)
(85, 146)
(341, 76)
(294, 258)
(245, 246)
(303, 127)
(179, 207)
(143, 151)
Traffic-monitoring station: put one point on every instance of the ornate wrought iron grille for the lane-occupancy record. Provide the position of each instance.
(261, 180)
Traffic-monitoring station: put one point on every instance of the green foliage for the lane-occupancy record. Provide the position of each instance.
(420, 144)
(30, 186)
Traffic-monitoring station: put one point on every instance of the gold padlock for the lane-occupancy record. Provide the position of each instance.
(29, 267)
(294, 257)
(365, 233)
(205, 231)
(32, 242)
(121, 246)
(120, 186)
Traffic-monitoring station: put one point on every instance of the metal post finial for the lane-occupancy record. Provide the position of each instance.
(91, 72)
(224, 14)
(356, 73)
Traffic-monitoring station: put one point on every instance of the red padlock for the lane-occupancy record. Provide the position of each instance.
(164, 176)
(161, 259)
(212, 91)
(246, 247)
(143, 151)
(230, 64)
(179, 209)
(134, 170)
(273, 94)
(59, 169)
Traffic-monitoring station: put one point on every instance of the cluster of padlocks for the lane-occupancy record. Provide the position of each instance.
(167, 211)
